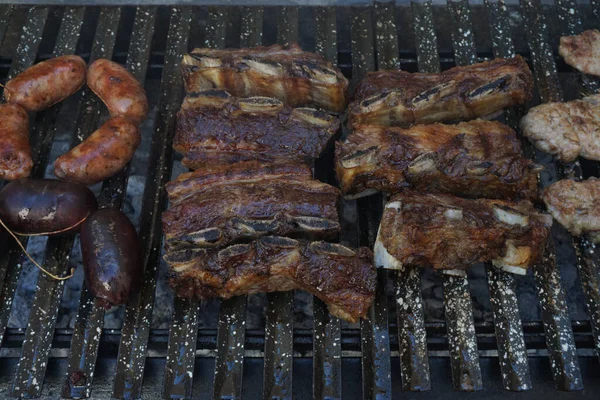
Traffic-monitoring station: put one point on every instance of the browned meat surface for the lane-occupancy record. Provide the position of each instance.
(343, 278)
(576, 206)
(471, 159)
(450, 233)
(399, 98)
(582, 51)
(268, 200)
(296, 77)
(214, 127)
(565, 130)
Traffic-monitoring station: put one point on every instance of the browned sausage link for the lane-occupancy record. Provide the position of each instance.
(102, 155)
(46, 83)
(118, 89)
(15, 152)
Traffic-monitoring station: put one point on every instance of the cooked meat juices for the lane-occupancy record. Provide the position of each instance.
(450, 233)
(15, 150)
(214, 127)
(582, 51)
(399, 98)
(576, 206)
(343, 278)
(248, 201)
(565, 130)
(296, 77)
(471, 159)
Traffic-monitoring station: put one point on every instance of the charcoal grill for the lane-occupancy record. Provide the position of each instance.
(382, 357)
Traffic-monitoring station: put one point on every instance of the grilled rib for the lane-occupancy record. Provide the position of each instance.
(399, 98)
(582, 51)
(229, 204)
(566, 130)
(343, 278)
(296, 77)
(471, 159)
(576, 206)
(450, 233)
(214, 127)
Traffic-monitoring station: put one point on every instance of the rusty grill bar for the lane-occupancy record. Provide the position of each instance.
(359, 39)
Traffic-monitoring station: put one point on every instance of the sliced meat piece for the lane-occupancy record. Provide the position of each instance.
(297, 78)
(582, 51)
(450, 233)
(565, 130)
(576, 206)
(472, 159)
(344, 278)
(399, 98)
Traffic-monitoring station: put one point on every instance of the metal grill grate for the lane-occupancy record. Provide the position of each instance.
(382, 356)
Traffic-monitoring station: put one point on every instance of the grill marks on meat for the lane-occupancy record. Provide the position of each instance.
(566, 130)
(343, 278)
(471, 159)
(582, 51)
(575, 206)
(214, 127)
(248, 201)
(398, 98)
(450, 233)
(296, 77)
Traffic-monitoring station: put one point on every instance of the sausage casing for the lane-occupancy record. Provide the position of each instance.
(46, 83)
(15, 151)
(101, 155)
(118, 89)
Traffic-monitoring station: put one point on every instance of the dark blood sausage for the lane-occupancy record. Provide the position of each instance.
(118, 89)
(45, 206)
(112, 259)
(15, 151)
(46, 83)
(102, 155)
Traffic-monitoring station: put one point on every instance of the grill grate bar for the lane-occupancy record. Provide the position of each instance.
(502, 286)
(327, 336)
(90, 317)
(252, 26)
(5, 14)
(40, 329)
(559, 333)
(138, 314)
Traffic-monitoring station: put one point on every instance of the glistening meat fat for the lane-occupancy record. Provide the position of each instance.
(341, 277)
(449, 233)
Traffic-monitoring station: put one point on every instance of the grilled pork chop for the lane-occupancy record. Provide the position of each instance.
(296, 77)
(582, 51)
(566, 130)
(343, 278)
(214, 127)
(399, 98)
(471, 159)
(450, 233)
(229, 204)
(576, 206)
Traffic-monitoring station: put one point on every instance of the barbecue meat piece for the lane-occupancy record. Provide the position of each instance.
(214, 127)
(450, 233)
(565, 130)
(399, 98)
(248, 201)
(576, 206)
(345, 279)
(582, 51)
(472, 159)
(296, 77)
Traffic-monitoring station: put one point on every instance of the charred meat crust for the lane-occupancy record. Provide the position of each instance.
(447, 232)
(399, 98)
(472, 159)
(212, 128)
(296, 77)
(343, 278)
